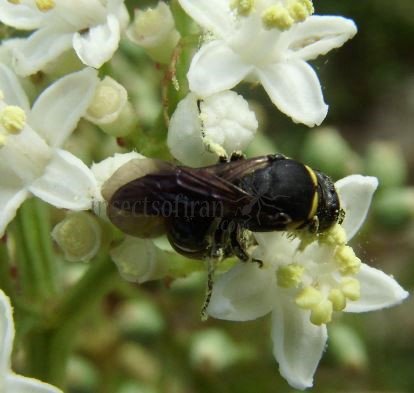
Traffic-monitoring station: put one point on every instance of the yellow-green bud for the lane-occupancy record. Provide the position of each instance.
(289, 276)
(13, 119)
(79, 236)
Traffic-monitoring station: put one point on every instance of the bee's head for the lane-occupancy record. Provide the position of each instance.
(329, 210)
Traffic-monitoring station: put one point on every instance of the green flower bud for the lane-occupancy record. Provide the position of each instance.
(385, 161)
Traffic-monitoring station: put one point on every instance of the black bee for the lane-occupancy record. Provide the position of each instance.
(209, 212)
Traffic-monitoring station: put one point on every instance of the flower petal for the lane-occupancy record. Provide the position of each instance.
(294, 88)
(355, 193)
(19, 384)
(213, 15)
(12, 90)
(11, 197)
(378, 290)
(317, 35)
(58, 109)
(67, 183)
(98, 44)
(244, 293)
(215, 67)
(297, 343)
(21, 16)
(6, 332)
(33, 53)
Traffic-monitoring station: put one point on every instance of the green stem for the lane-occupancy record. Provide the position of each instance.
(50, 344)
(5, 275)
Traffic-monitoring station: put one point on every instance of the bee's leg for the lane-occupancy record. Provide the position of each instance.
(211, 268)
(240, 240)
(215, 148)
(237, 155)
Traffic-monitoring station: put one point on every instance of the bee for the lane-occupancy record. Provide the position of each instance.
(209, 212)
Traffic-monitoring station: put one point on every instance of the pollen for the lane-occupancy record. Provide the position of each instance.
(351, 288)
(45, 5)
(349, 263)
(322, 312)
(277, 17)
(289, 276)
(13, 119)
(300, 10)
(334, 236)
(308, 298)
(243, 7)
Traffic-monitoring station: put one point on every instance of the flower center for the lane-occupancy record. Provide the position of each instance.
(13, 119)
(283, 16)
(45, 5)
(323, 287)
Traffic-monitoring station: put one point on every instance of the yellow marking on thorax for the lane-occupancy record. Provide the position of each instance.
(314, 206)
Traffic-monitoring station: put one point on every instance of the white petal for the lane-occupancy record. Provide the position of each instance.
(355, 193)
(317, 35)
(12, 90)
(6, 332)
(21, 16)
(58, 109)
(244, 293)
(298, 345)
(294, 88)
(213, 15)
(98, 45)
(19, 384)
(378, 290)
(67, 183)
(10, 200)
(184, 134)
(33, 53)
(215, 67)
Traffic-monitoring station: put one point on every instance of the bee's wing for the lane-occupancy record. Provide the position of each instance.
(133, 221)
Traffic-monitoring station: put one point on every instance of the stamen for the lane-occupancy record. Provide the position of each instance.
(338, 299)
(290, 276)
(351, 288)
(299, 10)
(45, 5)
(243, 7)
(308, 298)
(277, 17)
(13, 119)
(349, 263)
(322, 313)
(334, 236)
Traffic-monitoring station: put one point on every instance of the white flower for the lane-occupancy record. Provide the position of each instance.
(218, 125)
(9, 381)
(246, 47)
(31, 161)
(92, 27)
(302, 289)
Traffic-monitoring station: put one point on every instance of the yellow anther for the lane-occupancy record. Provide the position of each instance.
(277, 17)
(13, 119)
(299, 10)
(45, 5)
(3, 139)
(337, 298)
(322, 312)
(334, 236)
(290, 276)
(351, 288)
(243, 7)
(349, 263)
(308, 298)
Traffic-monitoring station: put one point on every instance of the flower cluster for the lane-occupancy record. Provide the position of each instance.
(305, 279)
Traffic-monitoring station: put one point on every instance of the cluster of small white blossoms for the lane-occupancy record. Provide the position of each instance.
(303, 281)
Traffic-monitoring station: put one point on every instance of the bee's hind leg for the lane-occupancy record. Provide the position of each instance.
(240, 240)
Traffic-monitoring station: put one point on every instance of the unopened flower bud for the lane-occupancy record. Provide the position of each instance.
(224, 124)
(154, 30)
(79, 236)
